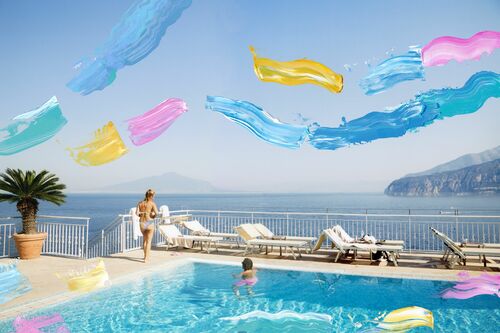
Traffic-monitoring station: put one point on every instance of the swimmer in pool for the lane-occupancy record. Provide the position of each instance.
(147, 211)
(248, 277)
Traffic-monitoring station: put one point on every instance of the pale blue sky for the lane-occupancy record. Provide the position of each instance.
(206, 53)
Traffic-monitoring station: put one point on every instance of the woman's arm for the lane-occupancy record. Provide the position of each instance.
(138, 209)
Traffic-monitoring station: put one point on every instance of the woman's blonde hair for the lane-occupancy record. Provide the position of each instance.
(149, 194)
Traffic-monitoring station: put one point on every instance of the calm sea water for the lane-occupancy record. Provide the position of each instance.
(102, 209)
(198, 298)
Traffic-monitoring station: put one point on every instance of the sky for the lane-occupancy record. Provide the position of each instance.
(206, 53)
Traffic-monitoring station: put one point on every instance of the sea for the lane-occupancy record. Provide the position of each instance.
(102, 209)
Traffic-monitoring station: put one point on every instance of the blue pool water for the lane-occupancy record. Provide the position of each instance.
(197, 297)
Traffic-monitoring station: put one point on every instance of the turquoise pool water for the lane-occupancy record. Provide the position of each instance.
(197, 297)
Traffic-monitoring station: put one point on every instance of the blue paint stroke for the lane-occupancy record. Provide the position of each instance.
(32, 128)
(423, 110)
(137, 34)
(392, 71)
(259, 122)
(12, 283)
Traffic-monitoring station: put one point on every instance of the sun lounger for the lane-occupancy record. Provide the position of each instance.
(197, 229)
(454, 253)
(251, 235)
(344, 247)
(174, 238)
(166, 218)
(348, 239)
(268, 234)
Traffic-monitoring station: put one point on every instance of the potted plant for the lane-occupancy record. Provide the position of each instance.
(25, 188)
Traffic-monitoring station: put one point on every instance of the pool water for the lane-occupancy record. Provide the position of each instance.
(198, 297)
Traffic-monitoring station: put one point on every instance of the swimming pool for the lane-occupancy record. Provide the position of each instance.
(197, 297)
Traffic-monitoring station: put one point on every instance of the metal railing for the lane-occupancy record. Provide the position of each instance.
(68, 239)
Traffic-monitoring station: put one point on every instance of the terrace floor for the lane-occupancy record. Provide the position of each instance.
(47, 289)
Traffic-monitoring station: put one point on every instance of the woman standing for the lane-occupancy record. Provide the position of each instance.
(147, 211)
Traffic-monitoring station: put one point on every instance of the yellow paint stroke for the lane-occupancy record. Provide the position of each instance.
(296, 72)
(404, 319)
(90, 280)
(106, 146)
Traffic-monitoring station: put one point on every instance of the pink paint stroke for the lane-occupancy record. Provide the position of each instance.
(33, 325)
(468, 287)
(444, 49)
(152, 124)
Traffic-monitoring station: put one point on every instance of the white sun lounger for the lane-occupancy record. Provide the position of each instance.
(166, 218)
(174, 238)
(268, 234)
(343, 247)
(348, 239)
(250, 235)
(454, 253)
(197, 229)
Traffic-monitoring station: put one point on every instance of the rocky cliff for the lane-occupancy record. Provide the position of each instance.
(473, 180)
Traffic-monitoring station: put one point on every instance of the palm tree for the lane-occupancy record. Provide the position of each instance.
(26, 188)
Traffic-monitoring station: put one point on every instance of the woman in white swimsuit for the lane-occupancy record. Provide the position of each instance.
(147, 211)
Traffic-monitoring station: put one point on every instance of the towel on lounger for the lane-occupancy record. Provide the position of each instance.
(136, 225)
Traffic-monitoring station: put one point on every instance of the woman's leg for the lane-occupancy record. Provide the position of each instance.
(148, 240)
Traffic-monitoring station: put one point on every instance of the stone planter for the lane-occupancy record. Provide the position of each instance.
(29, 246)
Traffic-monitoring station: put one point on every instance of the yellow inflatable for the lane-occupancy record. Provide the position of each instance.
(403, 319)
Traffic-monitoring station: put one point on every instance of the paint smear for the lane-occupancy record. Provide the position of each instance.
(259, 122)
(33, 325)
(292, 73)
(423, 110)
(152, 124)
(469, 287)
(89, 280)
(32, 128)
(392, 71)
(12, 283)
(404, 319)
(442, 50)
(106, 146)
(137, 34)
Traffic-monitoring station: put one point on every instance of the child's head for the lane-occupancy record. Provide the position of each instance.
(247, 264)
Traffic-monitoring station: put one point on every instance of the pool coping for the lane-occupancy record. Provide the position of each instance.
(62, 297)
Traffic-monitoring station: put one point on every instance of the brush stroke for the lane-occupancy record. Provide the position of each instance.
(106, 146)
(258, 121)
(285, 314)
(442, 50)
(152, 124)
(469, 287)
(421, 111)
(32, 128)
(33, 325)
(89, 280)
(295, 72)
(404, 319)
(137, 34)
(392, 71)
(12, 283)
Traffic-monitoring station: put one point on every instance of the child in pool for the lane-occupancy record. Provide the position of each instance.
(248, 278)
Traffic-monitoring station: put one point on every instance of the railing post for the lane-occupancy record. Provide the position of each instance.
(366, 222)
(456, 227)
(287, 222)
(87, 240)
(122, 234)
(102, 243)
(409, 231)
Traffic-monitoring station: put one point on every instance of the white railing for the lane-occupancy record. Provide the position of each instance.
(67, 236)
(6, 232)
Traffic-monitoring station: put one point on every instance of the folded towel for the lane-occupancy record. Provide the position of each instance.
(164, 213)
(369, 239)
(136, 225)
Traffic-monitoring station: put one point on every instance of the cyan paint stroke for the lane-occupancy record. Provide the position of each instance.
(12, 283)
(423, 110)
(258, 121)
(392, 71)
(32, 128)
(468, 287)
(150, 125)
(23, 325)
(442, 50)
(137, 34)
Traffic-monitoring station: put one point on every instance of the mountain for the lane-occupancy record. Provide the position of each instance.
(478, 179)
(462, 162)
(170, 182)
